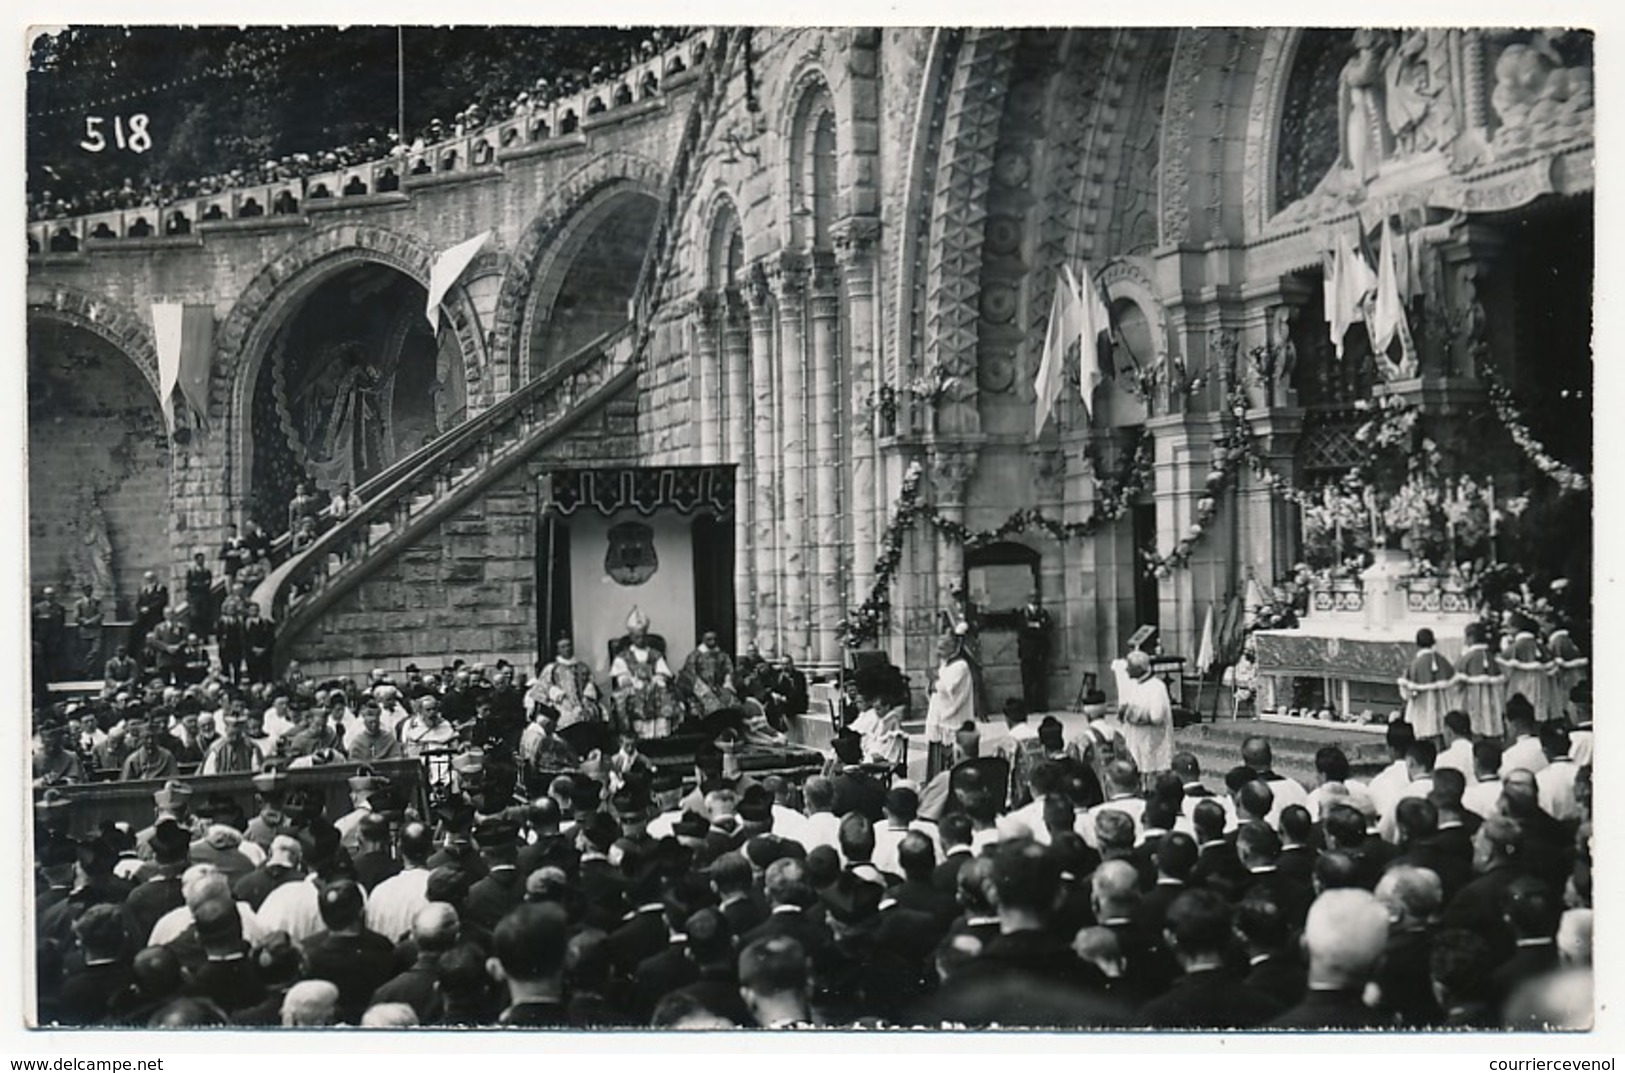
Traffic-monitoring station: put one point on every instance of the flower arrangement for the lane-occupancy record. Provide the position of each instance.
(1506, 411)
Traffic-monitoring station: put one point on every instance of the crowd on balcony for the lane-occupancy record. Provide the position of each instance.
(560, 877)
(509, 102)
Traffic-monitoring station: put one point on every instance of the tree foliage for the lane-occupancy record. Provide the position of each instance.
(225, 97)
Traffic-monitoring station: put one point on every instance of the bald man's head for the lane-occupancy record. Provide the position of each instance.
(1114, 890)
(1344, 938)
(1411, 895)
(436, 927)
(310, 1003)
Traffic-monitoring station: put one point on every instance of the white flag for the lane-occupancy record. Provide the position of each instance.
(1063, 328)
(1349, 280)
(1204, 651)
(1388, 310)
(1094, 330)
(166, 334)
(447, 268)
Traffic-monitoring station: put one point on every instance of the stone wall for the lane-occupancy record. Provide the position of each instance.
(98, 470)
(468, 589)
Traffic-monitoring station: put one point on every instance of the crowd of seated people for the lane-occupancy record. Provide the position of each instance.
(504, 103)
(596, 890)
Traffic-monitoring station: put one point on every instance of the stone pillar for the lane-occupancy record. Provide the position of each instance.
(952, 465)
(764, 463)
(708, 380)
(737, 449)
(788, 278)
(854, 245)
(828, 505)
(1183, 455)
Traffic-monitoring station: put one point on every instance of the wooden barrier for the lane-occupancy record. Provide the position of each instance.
(132, 803)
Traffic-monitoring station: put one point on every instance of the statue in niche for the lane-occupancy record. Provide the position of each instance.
(1278, 386)
(342, 417)
(93, 554)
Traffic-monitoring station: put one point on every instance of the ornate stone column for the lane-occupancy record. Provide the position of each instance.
(708, 381)
(952, 463)
(828, 505)
(788, 277)
(854, 246)
(737, 448)
(765, 460)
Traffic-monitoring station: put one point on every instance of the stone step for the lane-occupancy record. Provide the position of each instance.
(1217, 747)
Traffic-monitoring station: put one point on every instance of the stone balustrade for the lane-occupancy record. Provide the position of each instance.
(558, 124)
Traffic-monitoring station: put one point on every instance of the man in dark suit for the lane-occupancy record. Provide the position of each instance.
(502, 887)
(1217, 867)
(150, 900)
(1346, 832)
(1207, 995)
(1027, 975)
(1344, 937)
(1259, 848)
(792, 908)
(1298, 849)
(855, 789)
(1412, 897)
(1532, 913)
(150, 603)
(918, 860)
(1418, 824)
(954, 831)
(603, 888)
(1175, 860)
(434, 931)
(1273, 966)
(643, 932)
(734, 882)
(1498, 861)
(716, 984)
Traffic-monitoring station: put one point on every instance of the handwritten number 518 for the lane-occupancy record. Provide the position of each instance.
(135, 137)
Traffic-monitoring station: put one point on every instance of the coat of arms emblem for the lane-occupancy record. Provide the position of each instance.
(631, 558)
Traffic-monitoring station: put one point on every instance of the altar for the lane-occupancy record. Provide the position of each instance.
(1354, 646)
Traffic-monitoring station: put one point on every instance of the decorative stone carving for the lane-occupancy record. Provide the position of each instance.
(952, 467)
(1049, 471)
(1540, 97)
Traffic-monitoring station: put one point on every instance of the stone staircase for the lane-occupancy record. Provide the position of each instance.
(412, 496)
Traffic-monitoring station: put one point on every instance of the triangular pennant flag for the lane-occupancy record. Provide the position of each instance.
(1094, 332)
(1387, 309)
(166, 334)
(1047, 388)
(1205, 650)
(197, 358)
(447, 268)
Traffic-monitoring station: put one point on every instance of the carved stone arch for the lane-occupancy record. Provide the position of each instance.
(807, 90)
(513, 302)
(1277, 53)
(844, 61)
(958, 206)
(1131, 278)
(263, 306)
(707, 256)
(1203, 117)
(129, 334)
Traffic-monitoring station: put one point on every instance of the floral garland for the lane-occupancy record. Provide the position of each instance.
(1115, 494)
(1506, 410)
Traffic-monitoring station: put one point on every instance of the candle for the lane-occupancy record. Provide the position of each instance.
(1371, 510)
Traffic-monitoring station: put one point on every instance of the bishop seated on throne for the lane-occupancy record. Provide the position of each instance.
(642, 698)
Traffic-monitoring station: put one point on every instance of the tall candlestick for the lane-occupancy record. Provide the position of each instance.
(1371, 509)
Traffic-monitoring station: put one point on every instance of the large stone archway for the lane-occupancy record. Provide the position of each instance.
(509, 334)
(101, 465)
(244, 339)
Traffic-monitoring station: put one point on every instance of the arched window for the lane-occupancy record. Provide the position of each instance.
(812, 171)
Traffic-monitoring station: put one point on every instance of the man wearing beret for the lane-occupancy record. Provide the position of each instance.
(149, 759)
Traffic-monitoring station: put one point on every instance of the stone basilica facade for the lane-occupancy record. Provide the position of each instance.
(838, 249)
